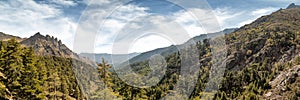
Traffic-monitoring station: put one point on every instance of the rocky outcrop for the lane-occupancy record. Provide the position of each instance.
(48, 46)
(293, 5)
(279, 83)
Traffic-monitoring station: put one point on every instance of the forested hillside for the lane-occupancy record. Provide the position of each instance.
(262, 62)
(27, 76)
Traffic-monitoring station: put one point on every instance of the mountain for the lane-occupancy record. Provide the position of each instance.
(5, 37)
(62, 73)
(48, 46)
(174, 48)
(24, 75)
(292, 5)
(118, 58)
(211, 35)
(271, 45)
(262, 61)
(51, 46)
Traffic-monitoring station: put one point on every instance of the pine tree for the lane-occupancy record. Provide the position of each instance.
(106, 92)
(13, 66)
(54, 83)
(104, 72)
(30, 80)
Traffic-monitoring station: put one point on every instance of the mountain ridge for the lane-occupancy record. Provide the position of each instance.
(292, 5)
(262, 60)
(118, 58)
(5, 37)
(174, 48)
(49, 46)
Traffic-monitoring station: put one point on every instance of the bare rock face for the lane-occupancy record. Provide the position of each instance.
(286, 77)
(280, 82)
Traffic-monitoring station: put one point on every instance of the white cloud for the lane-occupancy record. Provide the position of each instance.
(256, 14)
(26, 18)
(149, 43)
(192, 25)
(97, 2)
(178, 27)
(263, 11)
(132, 21)
(64, 2)
(226, 16)
(97, 17)
(234, 18)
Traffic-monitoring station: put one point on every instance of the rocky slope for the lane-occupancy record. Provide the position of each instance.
(279, 84)
(48, 46)
(293, 5)
(274, 36)
(270, 45)
(262, 61)
(58, 61)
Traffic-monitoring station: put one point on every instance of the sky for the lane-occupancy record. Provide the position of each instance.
(127, 26)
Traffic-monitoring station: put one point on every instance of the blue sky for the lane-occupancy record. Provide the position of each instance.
(67, 18)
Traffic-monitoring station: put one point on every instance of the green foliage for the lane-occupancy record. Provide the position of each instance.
(257, 53)
(27, 76)
(104, 72)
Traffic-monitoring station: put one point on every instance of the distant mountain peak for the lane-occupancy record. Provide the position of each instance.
(292, 5)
